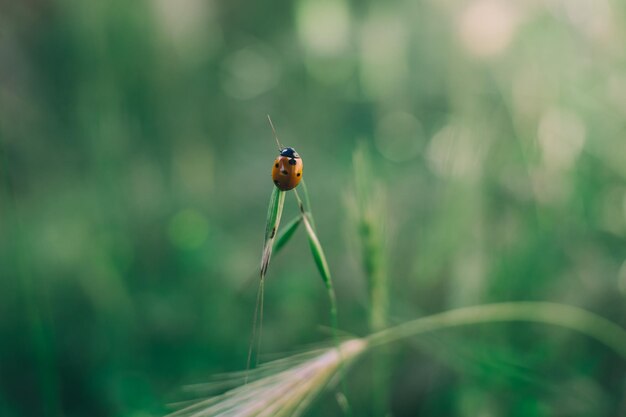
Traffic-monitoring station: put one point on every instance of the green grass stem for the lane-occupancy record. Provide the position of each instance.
(573, 318)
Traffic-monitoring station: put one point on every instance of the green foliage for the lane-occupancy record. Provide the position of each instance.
(135, 161)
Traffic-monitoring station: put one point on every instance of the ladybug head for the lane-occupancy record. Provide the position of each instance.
(289, 152)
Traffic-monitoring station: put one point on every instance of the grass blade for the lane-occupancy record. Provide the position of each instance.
(284, 236)
(320, 262)
(274, 213)
(287, 233)
(318, 253)
(322, 266)
(307, 202)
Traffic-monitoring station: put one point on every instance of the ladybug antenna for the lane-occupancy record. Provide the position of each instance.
(280, 147)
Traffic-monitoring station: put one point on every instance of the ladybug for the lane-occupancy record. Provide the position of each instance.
(287, 169)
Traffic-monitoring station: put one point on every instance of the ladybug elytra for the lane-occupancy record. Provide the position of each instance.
(287, 169)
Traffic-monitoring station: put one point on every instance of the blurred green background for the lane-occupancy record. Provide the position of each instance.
(135, 160)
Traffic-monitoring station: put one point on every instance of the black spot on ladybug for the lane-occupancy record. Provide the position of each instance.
(298, 174)
(276, 165)
(292, 161)
(276, 182)
(284, 172)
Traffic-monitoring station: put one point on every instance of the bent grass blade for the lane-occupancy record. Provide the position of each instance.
(274, 213)
(305, 203)
(322, 267)
(286, 234)
(320, 260)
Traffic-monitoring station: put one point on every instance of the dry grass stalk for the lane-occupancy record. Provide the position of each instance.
(284, 393)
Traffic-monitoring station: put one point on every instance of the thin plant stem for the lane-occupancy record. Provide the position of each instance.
(253, 335)
(258, 348)
(574, 318)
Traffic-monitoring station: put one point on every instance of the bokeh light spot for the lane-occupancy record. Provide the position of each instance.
(324, 25)
(189, 25)
(487, 27)
(248, 73)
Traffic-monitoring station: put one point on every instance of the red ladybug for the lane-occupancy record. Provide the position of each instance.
(287, 169)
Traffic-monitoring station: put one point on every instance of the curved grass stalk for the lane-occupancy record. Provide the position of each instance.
(288, 391)
(573, 318)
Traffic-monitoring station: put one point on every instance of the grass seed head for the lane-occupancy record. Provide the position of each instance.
(283, 390)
